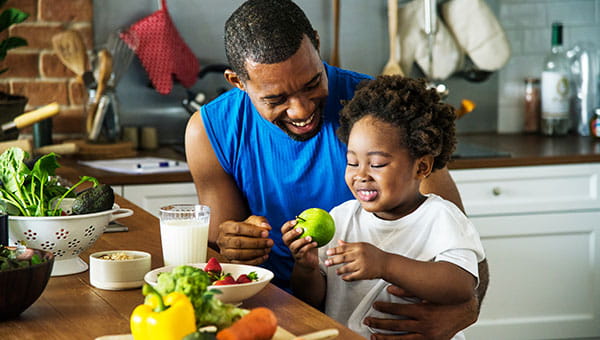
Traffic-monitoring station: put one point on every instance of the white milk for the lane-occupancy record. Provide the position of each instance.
(184, 241)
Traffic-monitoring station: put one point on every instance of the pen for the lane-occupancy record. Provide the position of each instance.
(165, 164)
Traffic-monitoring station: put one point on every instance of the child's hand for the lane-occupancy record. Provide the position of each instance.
(304, 249)
(362, 261)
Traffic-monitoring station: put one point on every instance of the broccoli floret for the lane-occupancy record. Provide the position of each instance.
(193, 282)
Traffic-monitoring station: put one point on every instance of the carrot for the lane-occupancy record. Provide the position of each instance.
(259, 324)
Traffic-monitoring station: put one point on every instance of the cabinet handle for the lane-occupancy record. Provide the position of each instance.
(496, 191)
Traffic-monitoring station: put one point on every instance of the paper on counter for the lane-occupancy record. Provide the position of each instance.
(147, 165)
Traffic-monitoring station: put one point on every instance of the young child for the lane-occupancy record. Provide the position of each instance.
(397, 132)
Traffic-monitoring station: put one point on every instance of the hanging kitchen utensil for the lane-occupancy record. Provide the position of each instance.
(479, 35)
(446, 57)
(122, 54)
(162, 51)
(194, 101)
(430, 12)
(29, 118)
(471, 73)
(335, 54)
(70, 49)
(393, 64)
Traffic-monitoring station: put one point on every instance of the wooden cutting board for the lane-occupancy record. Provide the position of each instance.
(280, 334)
(89, 151)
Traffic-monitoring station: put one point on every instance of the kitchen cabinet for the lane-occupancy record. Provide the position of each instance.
(153, 196)
(540, 227)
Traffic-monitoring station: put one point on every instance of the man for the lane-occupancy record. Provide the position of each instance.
(266, 150)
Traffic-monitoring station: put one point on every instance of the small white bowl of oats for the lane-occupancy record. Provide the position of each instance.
(119, 269)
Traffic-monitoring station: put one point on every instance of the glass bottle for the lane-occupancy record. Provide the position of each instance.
(555, 86)
(595, 123)
(532, 105)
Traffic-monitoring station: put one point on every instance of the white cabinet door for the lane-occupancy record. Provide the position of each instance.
(531, 189)
(153, 196)
(540, 227)
(544, 276)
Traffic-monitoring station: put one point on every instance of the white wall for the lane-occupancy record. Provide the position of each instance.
(528, 26)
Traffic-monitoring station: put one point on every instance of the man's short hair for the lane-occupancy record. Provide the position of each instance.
(266, 32)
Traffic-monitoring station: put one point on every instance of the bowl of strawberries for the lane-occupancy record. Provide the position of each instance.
(235, 282)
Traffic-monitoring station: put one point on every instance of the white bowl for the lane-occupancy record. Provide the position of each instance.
(65, 236)
(235, 293)
(119, 274)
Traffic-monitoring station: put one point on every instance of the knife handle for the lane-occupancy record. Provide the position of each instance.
(328, 333)
(37, 115)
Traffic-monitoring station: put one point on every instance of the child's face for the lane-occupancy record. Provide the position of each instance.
(380, 173)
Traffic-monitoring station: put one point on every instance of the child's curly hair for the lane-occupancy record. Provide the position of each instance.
(426, 124)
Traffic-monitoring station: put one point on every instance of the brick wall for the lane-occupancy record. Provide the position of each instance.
(36, 72)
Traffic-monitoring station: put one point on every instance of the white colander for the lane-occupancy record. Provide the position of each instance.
(65, 236)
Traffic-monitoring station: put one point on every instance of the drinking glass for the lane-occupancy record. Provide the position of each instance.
(184, 233)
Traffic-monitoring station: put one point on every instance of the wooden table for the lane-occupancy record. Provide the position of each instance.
(71, 308)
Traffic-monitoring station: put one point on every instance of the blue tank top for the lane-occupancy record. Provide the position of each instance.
(278, 176)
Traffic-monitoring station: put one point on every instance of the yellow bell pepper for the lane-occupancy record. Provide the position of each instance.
(168, 318)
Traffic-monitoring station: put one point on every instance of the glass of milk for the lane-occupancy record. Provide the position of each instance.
(184, 233)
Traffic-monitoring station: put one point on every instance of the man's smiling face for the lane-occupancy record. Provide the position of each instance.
(290, 94)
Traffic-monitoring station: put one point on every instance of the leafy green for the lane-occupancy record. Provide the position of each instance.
(12, 258)
(201, 336)
(193, 282)
(9, 17)
(35, 191)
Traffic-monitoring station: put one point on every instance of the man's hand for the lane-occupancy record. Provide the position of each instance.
(245, 242)
(425, 320)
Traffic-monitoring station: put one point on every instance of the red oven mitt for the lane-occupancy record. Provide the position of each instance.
(162, 51)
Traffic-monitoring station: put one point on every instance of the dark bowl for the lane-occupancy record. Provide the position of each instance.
(21, 287)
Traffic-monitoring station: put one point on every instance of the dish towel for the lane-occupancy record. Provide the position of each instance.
(464, 28)
(477, 32)
(162, 51)
(447, 55)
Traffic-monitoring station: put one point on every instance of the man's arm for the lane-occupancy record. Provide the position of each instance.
(484, 280)
(215, 188)
(441, 183)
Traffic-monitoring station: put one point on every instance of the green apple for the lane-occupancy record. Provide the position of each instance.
(318, 224)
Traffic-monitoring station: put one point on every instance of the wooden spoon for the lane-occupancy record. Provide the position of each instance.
(335, 56)
(393, 64)
(104, 71)
(70, 49)
(105, 66)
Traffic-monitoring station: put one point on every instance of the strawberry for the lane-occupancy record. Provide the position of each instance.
(213, 268)
(245, 278)
(227, 280)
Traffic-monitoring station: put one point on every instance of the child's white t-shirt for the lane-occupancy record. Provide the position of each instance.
(435, 231)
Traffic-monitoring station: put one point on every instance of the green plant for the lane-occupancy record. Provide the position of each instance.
(9, 17)
(32, 191)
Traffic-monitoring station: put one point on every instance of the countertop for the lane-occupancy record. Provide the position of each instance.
(506, 150)
(71, 308)
(72, 170)
(526, 150)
